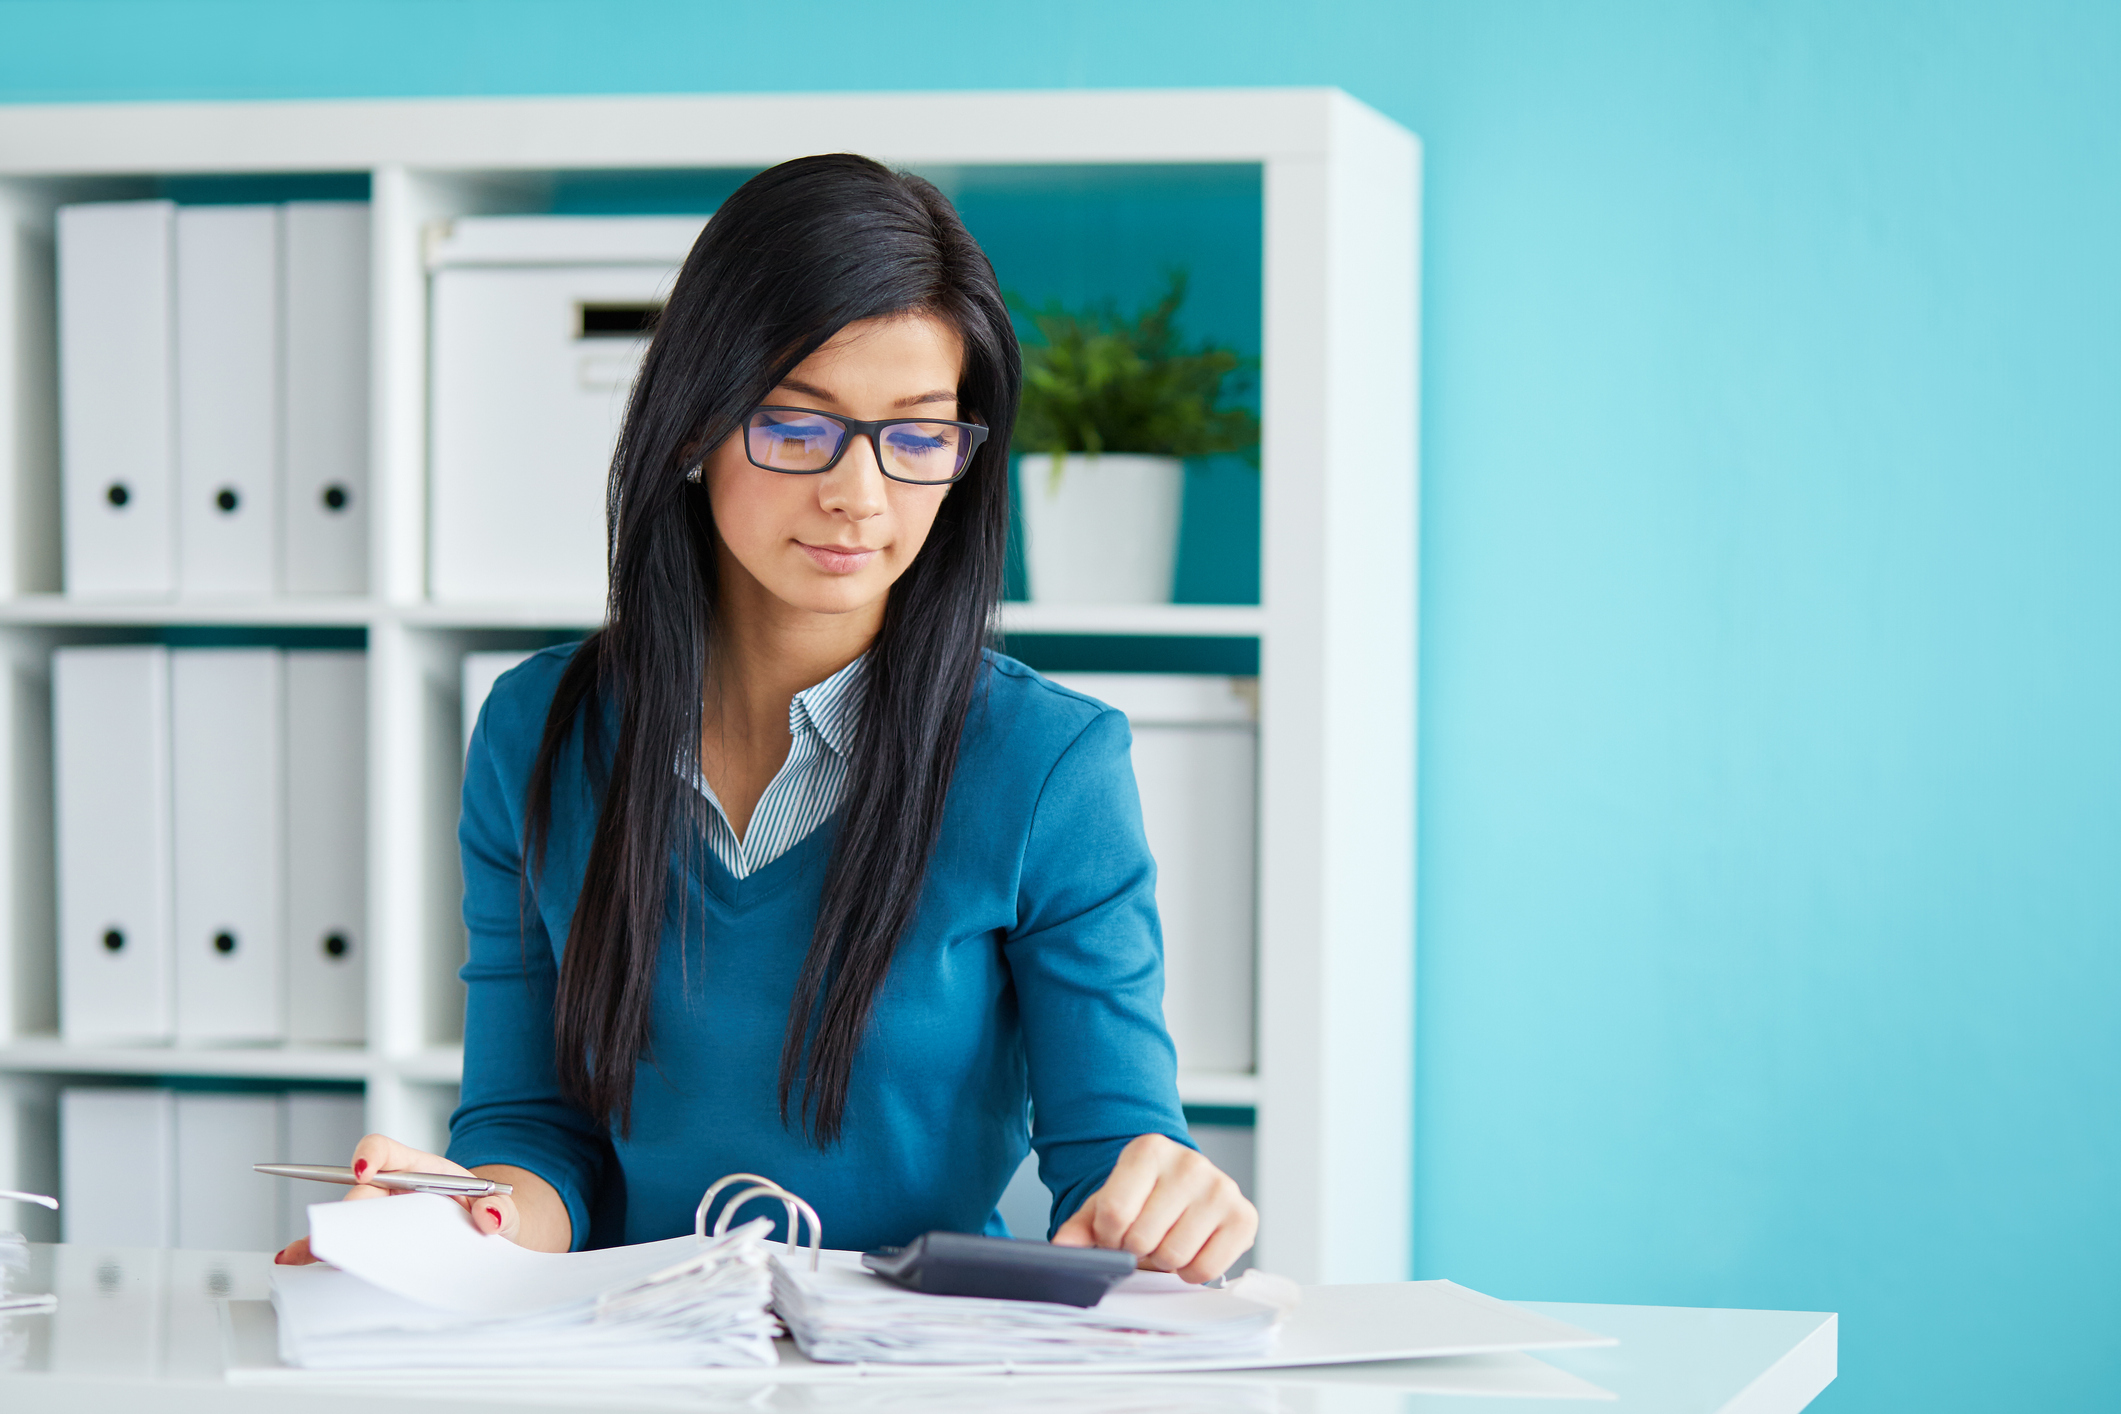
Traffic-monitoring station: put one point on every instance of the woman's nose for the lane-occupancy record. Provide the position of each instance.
(856, 485)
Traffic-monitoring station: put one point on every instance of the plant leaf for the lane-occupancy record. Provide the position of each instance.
(1099, 381)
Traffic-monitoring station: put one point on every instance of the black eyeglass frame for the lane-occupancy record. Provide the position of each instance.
(873, 431)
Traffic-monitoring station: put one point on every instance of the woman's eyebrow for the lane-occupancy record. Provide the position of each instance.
(940, 395)
(797, 385)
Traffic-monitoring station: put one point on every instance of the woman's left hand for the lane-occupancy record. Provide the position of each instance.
(1170, 1207)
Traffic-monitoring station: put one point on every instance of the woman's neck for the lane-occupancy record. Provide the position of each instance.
(765, 651)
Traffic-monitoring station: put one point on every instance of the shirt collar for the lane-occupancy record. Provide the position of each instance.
(831, 707)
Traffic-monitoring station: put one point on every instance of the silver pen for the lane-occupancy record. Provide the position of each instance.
(456, 1185)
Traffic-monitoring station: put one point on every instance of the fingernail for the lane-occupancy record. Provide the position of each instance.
(360, 1167)
(495, 1214)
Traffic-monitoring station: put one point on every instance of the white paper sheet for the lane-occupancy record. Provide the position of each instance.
(422, 1246)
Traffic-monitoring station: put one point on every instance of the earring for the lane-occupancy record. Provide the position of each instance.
(698, 469)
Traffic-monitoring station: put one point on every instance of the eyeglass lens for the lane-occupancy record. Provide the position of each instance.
(926, 452)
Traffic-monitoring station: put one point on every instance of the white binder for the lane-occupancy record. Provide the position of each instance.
(116, 396)
(481, 671)
(324, 461)
(116, 1184)
(228, 398)
(535, 345)
(226, 709)
(222, 1205)
(111, 740)
(1196, 762)
(327, 841)
(317, 1127)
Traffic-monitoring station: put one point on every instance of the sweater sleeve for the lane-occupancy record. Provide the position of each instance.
(512, 1111)
(1086, 958)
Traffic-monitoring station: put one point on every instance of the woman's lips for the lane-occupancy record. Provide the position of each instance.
(837, 559)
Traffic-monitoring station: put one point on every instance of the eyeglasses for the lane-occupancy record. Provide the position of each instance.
(804, 442)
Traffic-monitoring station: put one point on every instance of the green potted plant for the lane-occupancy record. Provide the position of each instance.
(1112, 406)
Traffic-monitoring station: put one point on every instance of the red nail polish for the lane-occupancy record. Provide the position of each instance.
(360, 1167)
(496, 1215)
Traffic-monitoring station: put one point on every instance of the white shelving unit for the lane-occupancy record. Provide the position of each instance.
(1333, 1091)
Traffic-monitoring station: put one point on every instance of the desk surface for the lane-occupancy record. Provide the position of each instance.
(134, 1323)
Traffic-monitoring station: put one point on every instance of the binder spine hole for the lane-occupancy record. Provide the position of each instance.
(224, 943)
(336, 497)
(118, 494)
(336, 945)
(113, 940)
(227, 499)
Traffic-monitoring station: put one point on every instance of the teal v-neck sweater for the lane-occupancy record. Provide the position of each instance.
(1029, 986)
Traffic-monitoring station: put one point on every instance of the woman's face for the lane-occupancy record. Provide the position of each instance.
(835, 542)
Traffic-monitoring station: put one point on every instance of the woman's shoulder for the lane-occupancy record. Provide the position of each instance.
(1033, 748)
(513, 717)
(1034, 716)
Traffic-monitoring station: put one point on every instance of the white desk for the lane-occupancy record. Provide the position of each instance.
(138, 1328)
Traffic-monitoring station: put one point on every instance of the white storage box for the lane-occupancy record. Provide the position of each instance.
(537, 326)
(1196, 760)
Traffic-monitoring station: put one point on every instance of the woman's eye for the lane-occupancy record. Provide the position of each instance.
(917, 442)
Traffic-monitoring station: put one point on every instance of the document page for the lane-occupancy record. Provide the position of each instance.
(422, 1246)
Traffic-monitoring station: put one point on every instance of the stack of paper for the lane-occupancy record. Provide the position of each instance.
(413, 1285)
(841, 1312)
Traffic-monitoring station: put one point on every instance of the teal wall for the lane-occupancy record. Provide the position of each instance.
(1771, 734)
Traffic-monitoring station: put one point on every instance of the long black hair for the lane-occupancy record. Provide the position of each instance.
(796, 254)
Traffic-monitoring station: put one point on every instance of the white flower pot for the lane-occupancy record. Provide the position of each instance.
(1105, 531)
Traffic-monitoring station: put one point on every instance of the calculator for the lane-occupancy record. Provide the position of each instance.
(1001, 1268)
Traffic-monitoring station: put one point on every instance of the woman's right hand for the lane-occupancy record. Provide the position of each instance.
(379, 1153)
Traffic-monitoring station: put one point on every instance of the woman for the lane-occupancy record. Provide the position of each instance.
(895, 893)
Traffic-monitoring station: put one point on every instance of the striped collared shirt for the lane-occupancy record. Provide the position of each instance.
(809, 785)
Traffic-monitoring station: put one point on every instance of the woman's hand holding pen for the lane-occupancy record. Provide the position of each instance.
(546, 1226)
(1170, 1207)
